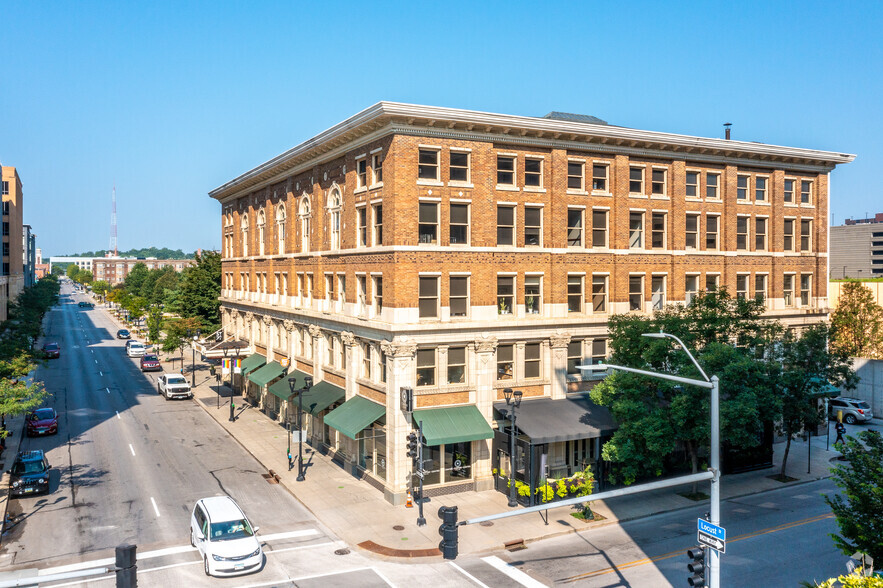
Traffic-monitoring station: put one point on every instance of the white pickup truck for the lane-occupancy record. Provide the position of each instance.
(173, 386)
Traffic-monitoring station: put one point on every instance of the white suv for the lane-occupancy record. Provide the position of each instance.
(135, 349)
(225, 539)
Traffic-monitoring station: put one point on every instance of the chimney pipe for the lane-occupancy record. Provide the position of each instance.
(727, 130)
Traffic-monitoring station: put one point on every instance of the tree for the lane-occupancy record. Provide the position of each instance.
(135, 278)
(100, 287)
(859, 510)
(83, 277)
(176, 334)
(200, 290)
(167, 279)
(72, 271)
(154, 322)
(810, 370)
(57, 271)
(857, 323)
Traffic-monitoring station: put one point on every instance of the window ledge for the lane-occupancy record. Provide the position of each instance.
(430, 183)
(636, 195)
(458, 184)
(658, 197)
(577, 192)
(375, 186)
(506, 188)
(744, 202)
(601, 193)
(535, 190)
(361, 190)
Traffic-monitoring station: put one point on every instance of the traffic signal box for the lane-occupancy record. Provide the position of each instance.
(696, 566)
(449, 531)
(413, 445)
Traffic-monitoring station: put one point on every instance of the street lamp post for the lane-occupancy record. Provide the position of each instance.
(233, 385)
(193, 360)
(308, 383)
(513, 401)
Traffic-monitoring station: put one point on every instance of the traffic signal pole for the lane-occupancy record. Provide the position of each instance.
(714, 556)
(420, 473)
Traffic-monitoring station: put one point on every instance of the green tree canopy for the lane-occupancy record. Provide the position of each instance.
(857, 323)
(200, 290)
(100, 287)
(135, 278)
(72, 271)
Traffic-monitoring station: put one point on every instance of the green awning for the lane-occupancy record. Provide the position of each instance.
(317, 399)
(452, 425)
(252, 362)
(354, 415)
(266, 374)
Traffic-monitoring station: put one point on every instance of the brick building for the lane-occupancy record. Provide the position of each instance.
(459, 253)
(12, 269)
(114, 270)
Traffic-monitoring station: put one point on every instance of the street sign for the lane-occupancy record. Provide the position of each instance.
(713, 542)
(712, 529)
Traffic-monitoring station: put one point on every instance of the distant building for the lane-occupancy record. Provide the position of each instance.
(41, 270)
(11, 274)
(29, 255)
(857, 248)
(114, 270)
(84, 263)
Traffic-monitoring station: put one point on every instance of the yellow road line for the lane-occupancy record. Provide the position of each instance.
(671, 554)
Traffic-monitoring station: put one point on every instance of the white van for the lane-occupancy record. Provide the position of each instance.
(135, 349)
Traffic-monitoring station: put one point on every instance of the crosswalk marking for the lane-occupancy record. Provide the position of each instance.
(512, 572)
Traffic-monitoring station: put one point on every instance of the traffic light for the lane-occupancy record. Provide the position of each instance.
(696, 566)
(412, 445)
(448, 531)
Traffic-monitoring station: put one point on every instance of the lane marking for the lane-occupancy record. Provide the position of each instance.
(468, 575)
(295, 580)
(118, 414)
(512, 572)
(680, 552)
(289, 535)
(107, 390)
(96, 361)
(312, 546)
(132, 449)
(155, 509)
(100, 373)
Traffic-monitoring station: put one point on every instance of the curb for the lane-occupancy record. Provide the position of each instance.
(5, 493)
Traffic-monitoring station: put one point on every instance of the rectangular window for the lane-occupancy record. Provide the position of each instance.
(742, 286)
(636, 293)
(533, 294)
(788, 234)
(363, 295)
(599, 351)
(657, 182)
(459, 170)
(378, 224)
(329, 290)
(692, 185)
(712, 282)
(742, 233)
(505, 170)
(574, 356)
(426, 367)
(505, 294)
(599, 294)
(574, 227)
(341, 292)
(599, 177)
(760, 234)
(575, 293)
(533, 173)
(505, 362)
(788, 289)
(533, 226)
(742, 188)
(377, 167)
(532, 360)
(711, 228)
(428, 223)
(427, 164)
(362, 173)
(362, 214)
(760, 286)
(505, 225)
(657, 230)
(805, 289)
(428, 297)
(691, 289)
(788, 194)
(760, 189)
(382, 365)
(575, 173)
(378, 295)
(599, 228)
(636, 230)
(691, 231)
(636, 180)
(712, 181)
(459, 228)
(456, 365)
(329, 350)
(805, 235)
(459, 296)
(366, 360)
(5, 189)
(657, 286)
(805, 192)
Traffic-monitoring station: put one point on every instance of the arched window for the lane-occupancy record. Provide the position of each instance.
(334, 218)
(280, 228)
(262, 221)
(305, 225)
(244, 226)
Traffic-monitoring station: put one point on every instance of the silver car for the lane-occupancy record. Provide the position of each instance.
(854, 410)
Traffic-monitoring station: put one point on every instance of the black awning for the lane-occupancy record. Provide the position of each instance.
(545, 420)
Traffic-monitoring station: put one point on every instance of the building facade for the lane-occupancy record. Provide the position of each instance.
(857, 249)
(11, 271)
(29, 255)
(84, 263)
(114, 270)
(459, 253)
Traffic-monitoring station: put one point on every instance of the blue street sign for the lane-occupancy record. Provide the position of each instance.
(713, 530)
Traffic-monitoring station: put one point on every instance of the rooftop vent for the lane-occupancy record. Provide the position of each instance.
(581, 118)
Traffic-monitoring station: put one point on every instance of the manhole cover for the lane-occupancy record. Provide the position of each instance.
(486, 523)
(398, 528)
(342, 552)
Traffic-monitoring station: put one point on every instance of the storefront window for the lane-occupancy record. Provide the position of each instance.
(432, 464)
(458, 461)
(372, 451)
(380, 454)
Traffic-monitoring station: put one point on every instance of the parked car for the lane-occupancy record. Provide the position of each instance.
(43, 421)
(84, 304)
(225, 539)
(173, 386)
(854, 410)
(51, 350)
(150, 363)
(135, 349)
(30, 473)
(124, 334)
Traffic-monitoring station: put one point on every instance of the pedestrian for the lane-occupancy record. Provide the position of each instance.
(840, 428)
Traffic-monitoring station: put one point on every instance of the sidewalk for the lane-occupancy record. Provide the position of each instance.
(357, 513)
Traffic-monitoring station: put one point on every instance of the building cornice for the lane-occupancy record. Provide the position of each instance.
(392, 117)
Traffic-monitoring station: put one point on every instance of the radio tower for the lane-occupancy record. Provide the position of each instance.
(113, 222)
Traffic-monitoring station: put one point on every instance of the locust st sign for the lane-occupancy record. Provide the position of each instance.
(712, 536)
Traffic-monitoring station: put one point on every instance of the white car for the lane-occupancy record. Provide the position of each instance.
(226, 541)
(135, 349)
(173, 386)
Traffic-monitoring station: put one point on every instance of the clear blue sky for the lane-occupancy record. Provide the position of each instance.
(171, 99)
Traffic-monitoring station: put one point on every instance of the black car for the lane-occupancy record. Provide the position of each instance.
(30, 473)
(124, 334)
